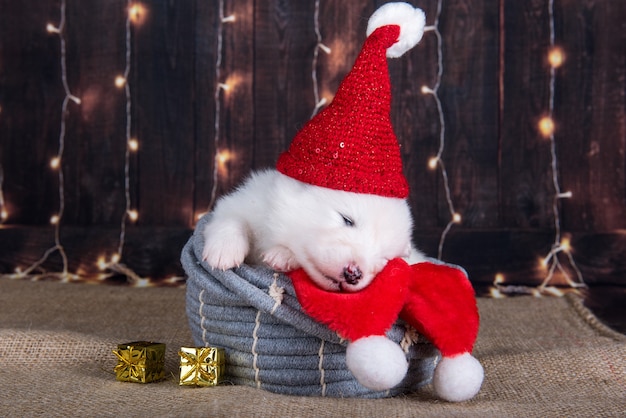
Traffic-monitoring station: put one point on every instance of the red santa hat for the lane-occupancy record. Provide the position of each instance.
(351, 145)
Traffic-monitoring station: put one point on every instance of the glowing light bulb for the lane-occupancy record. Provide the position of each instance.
(228, 19)
(102, 264)
(566, 245)
(223, 157)
(456, 218)
(120, 81)
(546, 126)
(324, 48)
(133, 215)
(426, 90)
(55, 163)
(142, 282)
(4, 215)
(54, 219)
(115, 258)
(499, 278)
(556, 56)
(137, 13)
(52, 29)
(554, 291)
(432, 163)
(133, 145)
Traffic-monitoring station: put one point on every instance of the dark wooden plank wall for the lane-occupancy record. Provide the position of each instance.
(494, 89)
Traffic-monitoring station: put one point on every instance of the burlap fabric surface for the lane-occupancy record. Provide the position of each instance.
(542, 357)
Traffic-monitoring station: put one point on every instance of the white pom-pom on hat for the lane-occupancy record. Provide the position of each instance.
(376, 362)
(410, 19)
(458, 378)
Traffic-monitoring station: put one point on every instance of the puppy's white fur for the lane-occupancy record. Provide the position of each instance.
(288, 224)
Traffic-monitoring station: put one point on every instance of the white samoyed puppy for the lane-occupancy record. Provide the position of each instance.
(341, 239)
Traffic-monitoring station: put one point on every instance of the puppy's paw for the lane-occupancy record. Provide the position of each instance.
(281, 259)
(224, 249)
(224, 254)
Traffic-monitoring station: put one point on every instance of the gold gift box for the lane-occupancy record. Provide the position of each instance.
(201, 366)
(140, 362)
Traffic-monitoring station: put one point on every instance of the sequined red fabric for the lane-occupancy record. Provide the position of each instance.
(351, 145)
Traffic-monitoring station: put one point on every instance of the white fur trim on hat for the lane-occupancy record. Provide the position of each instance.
(410, 19)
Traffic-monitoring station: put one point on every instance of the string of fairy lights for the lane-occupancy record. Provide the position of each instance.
(56, 163)
(135, 15)
(437, 161)
(561, 245)
(221, 157)
(319, 102)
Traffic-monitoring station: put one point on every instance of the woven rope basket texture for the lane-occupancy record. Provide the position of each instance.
(270, 343)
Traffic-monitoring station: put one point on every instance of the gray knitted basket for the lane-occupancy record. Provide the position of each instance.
(253, 313)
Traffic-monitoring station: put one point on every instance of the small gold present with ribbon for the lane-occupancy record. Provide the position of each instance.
(201, 366)
(140, 362)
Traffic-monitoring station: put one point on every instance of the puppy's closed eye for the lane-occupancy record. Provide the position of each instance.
(347, 220)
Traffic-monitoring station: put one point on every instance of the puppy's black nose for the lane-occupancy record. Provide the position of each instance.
(352, 274)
